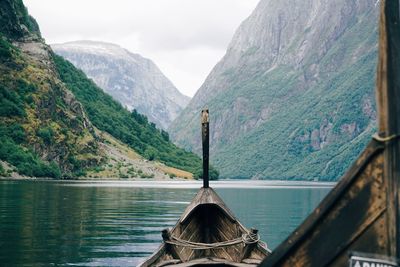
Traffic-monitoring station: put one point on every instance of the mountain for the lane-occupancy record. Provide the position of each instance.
(136, 82)
(293, 96)
(55, 122)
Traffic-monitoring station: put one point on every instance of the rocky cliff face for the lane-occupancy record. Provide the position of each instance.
(293, 96)
(15, 22)
(55, 122)
(44, 130)
(136, 82)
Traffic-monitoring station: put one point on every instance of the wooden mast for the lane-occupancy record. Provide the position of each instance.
(205, 140)
(388, 103)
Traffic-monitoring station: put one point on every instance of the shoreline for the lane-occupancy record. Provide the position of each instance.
(181, 183)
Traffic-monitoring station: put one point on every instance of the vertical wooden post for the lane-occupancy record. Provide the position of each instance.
(249, 247)
(205, 137)
(388, 103)
(166, 236)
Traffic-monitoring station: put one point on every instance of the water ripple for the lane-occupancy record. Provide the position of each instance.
(117, 224)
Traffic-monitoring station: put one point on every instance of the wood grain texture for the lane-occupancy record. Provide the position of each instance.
(388, 102)
(207, 220)
(353, 207)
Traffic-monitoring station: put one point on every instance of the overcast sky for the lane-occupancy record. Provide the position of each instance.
(185, 38)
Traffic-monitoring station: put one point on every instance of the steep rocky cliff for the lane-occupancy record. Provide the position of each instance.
(135, 81)
(293, 96)
(44, 130)
(55, 122)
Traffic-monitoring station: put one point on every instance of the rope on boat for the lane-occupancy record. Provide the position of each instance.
(379, 138)
(247, 239)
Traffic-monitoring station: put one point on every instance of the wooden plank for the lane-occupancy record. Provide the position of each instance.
(191, 232)
(344, 209)
(214, 262)
(249, 247)
(358, 209)
(232, 251)
(367, 240)
(388, 103)
(170, 249)
(155, 257)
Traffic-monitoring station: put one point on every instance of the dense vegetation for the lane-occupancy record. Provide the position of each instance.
(13, 139)
(40, 135)
(304, 113)
(15, 20)
(44, 131)
(288, 151)
(132, 128)
(213, 174)
(339, 108)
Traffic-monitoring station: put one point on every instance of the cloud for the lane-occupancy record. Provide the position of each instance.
(185, 38)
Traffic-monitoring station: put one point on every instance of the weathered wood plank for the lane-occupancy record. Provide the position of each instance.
(354, 213)
(388, 103)
(316, 241)
(170, 249)
(214, 262)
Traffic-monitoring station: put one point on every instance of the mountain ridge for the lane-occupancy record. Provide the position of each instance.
(292, 94)
(56, 123)
(135, 81)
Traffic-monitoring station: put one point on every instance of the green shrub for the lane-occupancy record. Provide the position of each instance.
(47, 135)
(2, 171)
(212, 172)
(26, 162)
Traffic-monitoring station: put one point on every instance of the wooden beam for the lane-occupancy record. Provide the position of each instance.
(166, 236)
(388, 103)
(206, 141)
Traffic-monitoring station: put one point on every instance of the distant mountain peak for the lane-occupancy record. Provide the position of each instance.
(96, 47)
(136, 82)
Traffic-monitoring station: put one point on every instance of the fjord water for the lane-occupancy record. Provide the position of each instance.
(45, 223)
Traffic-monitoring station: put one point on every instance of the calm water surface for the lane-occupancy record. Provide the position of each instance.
(119, 223)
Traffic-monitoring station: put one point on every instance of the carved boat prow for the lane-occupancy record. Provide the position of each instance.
(208, 233)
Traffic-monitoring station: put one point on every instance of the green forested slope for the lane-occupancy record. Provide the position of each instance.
(49, 111)
(293, 97)
(287, 146)
(39, 134)
(130, 127)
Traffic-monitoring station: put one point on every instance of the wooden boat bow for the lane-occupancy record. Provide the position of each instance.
(208, 233)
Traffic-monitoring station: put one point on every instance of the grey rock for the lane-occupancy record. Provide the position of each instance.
(136, 82)
(308, 43)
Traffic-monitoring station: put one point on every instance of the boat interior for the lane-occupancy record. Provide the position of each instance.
(209, 234)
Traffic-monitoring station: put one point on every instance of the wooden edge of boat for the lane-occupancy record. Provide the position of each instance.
(221, 225)
(337, 222)
(361, 214)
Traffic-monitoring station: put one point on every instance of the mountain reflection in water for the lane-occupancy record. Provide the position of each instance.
(119, 223)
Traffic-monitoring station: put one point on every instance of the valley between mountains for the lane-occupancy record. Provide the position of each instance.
(292, 99)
